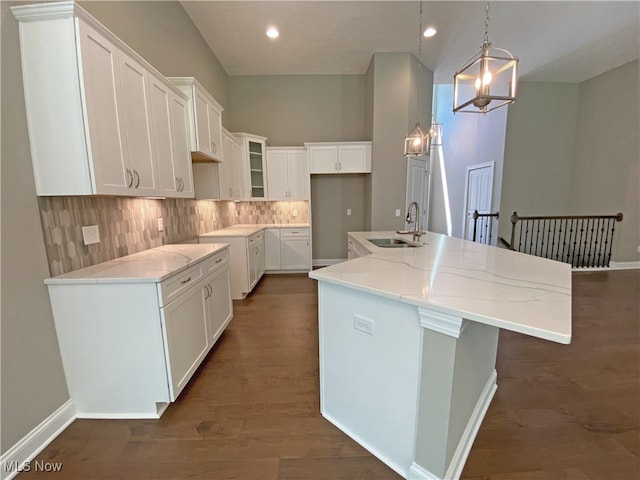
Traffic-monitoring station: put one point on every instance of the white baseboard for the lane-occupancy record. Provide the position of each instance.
(624, 265)
(19, 456)
(417, 472)
(612, 266)
(325, 262)
(375, 452)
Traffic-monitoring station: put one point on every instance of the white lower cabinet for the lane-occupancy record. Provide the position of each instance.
(287, 249)
(129, 348)
(247, 259)
(272, 248)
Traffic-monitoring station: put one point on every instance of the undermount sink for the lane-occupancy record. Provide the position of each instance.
(392, 243)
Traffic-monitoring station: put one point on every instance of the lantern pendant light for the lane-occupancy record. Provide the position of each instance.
(416, 143)
(487, 80)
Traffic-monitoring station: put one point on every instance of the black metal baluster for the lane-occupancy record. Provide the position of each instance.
(600, 239)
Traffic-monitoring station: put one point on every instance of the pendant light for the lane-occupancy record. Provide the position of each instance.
(487, 80)
(416, 144)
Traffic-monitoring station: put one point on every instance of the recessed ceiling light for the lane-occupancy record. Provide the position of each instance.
(272, 32)
(430, 32)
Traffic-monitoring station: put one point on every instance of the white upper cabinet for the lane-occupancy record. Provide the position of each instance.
(89, 107)
(287, 173)
(205, 121)
(254, 182)
(339, 157)
(230, 171)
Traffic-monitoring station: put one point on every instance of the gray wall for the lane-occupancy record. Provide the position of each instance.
(539, 149)
(292, 109)
(33, 384)
(394, 114)
(573, 149)
(607, 154)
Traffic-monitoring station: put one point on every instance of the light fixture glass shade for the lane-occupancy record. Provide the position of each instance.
(435, 134)
(416, 144)
(486, 81)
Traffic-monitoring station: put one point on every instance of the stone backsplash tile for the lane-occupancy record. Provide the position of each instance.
(129, 225)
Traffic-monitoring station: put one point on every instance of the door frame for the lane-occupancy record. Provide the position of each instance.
(466, 191)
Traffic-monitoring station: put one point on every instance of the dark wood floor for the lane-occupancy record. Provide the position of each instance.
(252, 410)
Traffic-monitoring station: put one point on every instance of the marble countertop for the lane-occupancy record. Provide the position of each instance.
(248, 230)
(148, 266)
(490, 285)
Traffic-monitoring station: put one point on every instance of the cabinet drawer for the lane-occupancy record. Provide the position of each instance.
(294, 232)
(176, 285)
(217, 261)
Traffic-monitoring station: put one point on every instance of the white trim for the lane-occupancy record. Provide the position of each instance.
(47, 11)
(466, 440)
(416, 472)
(37, 439)
(375, 452)
(325, 262)
(444, 323)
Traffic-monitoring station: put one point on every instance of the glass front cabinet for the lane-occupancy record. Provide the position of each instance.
(253, 164)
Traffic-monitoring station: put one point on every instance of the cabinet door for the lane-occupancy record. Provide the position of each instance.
(256, 169)
(180, 144)
(101, 89)
(323, 159)
(353, 159)
(203, 129)
(238, 182)
(298, 174)
(215, 124)
(185, 330)
(277, 174)
(226, 170)
(295, 253)
(272, 248)
(261, 260)
(135, 103)
(252, 257)
(219, 305)
(162, 141)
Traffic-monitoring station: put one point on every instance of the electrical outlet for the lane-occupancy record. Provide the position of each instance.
(160, 224)
(348, 211)
(363, 324)
(398, 212)
(295, 213)
(90, 234)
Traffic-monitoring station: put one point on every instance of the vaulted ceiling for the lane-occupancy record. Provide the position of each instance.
(556, 41)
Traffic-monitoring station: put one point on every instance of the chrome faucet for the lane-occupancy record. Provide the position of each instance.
(416, 227)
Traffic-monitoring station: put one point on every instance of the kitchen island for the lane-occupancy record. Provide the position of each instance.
(409, 335)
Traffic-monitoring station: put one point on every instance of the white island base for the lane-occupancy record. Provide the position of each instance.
(409, 384)
(409, 336)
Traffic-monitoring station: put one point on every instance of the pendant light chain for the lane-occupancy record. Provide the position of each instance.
(486, 24)
(419, 66)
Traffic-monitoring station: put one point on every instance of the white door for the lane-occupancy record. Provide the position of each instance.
(351, 158)
(219, 306)
(295, 253)
(226, 172)
(478, 193)
(180, 143)
(418, 189)
(161, 117)
(203, 129)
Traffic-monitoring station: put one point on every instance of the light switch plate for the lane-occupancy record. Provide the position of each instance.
(348, 211)
(160, 224)
(90, 234)
(295, 213)
(397, 212)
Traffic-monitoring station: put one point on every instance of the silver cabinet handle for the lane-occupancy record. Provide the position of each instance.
(129, 178)
(177, 184)
(135, 172)
(181, 184)
(209, 289)
(186, 280)
(214, 147)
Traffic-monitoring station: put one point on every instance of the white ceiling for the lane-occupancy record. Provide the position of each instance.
(556, 41)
